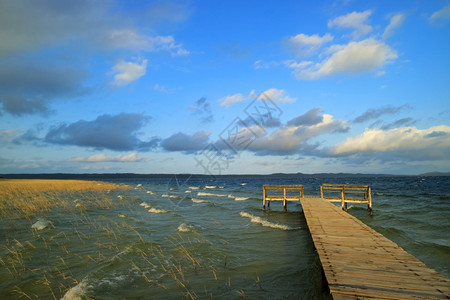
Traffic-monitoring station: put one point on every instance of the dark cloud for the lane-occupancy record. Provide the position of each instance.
(186, 143)
(118, 132)
(375, 113)
(203, 108)
(27, 88)
(268, 121)
(29, 25)
(437, 134)
(399, 123)
(311, 117)
(18, 106)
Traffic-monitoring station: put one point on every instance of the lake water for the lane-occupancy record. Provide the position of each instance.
(206, 237)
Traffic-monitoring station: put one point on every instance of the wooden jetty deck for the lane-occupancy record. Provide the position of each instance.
(357, 261)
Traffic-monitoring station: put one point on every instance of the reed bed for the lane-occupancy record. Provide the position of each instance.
(26, 197)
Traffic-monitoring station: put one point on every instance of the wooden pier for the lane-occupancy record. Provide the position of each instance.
(360, 263)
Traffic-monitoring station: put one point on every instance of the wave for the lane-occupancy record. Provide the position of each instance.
(151, 193)
(265, 223)
(170, 196)
(211, 194)
(87, 284)
(194, 187)
(157, 211)
(77, 292)
(41, 224)
(145, 205)
(153, 210)
(198, 200)
(241, 198)
(210, 186)
(186, 228)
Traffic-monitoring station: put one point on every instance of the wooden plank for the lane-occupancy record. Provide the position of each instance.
(359, 262)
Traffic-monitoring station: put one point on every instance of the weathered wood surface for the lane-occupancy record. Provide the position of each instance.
(360, 263)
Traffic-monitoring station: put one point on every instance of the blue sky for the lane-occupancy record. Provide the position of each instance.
(224, 87)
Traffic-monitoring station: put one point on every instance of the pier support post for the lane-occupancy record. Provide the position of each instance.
(369, 202)
(264, 197)
(343, 206)
(284, 200)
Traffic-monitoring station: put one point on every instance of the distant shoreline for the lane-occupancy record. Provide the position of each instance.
(87, 176)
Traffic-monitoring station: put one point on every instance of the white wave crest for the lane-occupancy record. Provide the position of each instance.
(42, 224)
(198, 200)
(151, 193)
(210, 186)
(241, 198)
(77, 292)
(157, 211)
(211, 194)
(193, 187)
(145, 205)
(265, 223)
(153, 210)
(185, 228)
(170, 196)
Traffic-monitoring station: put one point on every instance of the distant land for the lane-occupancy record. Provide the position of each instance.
(94, 176)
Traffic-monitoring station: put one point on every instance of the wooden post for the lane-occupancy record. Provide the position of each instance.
(370, 201)
(284, 199)
(321, 192)
(343, 198)
(264, 197)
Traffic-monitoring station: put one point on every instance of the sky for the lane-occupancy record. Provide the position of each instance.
(224, 87)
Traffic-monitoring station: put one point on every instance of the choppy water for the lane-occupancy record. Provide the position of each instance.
(182, 236)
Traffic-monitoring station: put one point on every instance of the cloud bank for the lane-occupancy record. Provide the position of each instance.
(113, 132)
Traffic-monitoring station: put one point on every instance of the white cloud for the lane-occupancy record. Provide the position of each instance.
(408, 142)
(273, 94)
(132, 157)
(292, 138)
(443, 13)
(128, 72)
(395, 22)
(353, 58)
(276, 95)
(130, 39)
(304, 45)
(228, 101)
(356, 21)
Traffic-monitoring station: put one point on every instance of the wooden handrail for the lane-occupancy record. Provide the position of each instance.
(284, 197)
(348, 189)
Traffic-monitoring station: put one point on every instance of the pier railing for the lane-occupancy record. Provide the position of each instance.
(292, 192)
(347, 193)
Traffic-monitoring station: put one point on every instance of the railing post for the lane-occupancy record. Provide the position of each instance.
(343, 198)
(284, 199)
(370, 201)
(264, 197)
(321, 191)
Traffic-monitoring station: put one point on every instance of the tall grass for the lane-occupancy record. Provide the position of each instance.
(19, 197)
